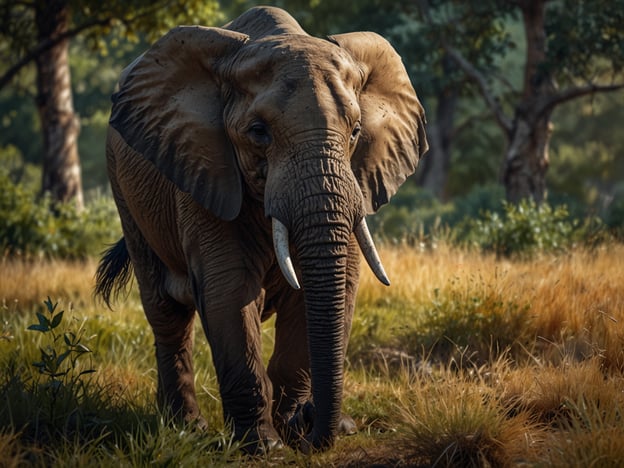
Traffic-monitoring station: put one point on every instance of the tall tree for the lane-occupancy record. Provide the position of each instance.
(573, 48)
(38, 32)
(59, 122)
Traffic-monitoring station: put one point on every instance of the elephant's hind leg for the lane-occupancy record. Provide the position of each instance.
(172, 324)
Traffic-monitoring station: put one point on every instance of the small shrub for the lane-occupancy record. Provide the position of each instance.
(526, 229)
(60, 384)
(33, 226)
(55, 399)
(59, 363)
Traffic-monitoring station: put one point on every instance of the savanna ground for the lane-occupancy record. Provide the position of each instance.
(466, 360)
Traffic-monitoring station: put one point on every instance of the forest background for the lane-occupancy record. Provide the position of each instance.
(469, 62)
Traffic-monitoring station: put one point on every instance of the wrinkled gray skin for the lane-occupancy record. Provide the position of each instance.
(215, 133)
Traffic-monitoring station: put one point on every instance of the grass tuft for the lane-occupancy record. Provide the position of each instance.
(454, 421)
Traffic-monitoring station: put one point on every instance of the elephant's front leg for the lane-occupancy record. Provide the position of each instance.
(235, 340)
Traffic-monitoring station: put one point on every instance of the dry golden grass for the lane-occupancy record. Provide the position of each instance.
(460, 422)
(553, 394)
(575, 301)
(558, 400)
(28, 283)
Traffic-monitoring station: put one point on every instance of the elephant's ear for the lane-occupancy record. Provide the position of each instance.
(169, 108)
(393, 137)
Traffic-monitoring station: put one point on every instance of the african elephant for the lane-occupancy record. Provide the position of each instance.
(228, 150)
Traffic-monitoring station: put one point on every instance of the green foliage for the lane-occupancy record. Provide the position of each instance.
(527, 229)
(58, 365)
(51, 401)
(615, 212)
(32, 226)
(479, 199)
(581, 33)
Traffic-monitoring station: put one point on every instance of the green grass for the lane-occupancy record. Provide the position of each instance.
(465, 360)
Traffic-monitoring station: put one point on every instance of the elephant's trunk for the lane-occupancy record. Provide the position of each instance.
(322, 253)
(320, 206)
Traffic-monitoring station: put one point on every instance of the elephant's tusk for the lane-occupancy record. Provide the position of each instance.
(367, 245)
(280, 244)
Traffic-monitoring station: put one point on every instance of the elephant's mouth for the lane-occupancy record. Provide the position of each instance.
(362, 235)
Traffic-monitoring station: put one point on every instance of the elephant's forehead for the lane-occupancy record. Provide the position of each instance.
(296, 56)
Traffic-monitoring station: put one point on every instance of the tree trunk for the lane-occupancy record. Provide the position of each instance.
(434, 167)
(526, 159)
(59, 123)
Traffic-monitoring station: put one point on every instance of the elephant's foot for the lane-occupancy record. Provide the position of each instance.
(346, 425)
(260, 441)
(301, 424)
(262, 447)
(198, 424)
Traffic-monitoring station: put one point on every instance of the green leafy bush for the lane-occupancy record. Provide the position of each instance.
(526, 229)
(33, 226)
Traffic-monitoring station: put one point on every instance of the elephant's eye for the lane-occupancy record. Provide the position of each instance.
(259, 133)
(355, 132)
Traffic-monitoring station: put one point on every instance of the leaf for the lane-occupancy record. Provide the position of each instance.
(38, 327)
(51, 307)
(82, 348)
(56, 320)
(47, 353)
(61, 358)
(43, 320)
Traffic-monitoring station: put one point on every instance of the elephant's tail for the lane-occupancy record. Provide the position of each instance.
(113, 272)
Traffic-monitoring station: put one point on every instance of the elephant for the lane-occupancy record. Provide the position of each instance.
(243, 161)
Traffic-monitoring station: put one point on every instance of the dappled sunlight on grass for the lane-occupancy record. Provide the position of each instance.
(26, 283)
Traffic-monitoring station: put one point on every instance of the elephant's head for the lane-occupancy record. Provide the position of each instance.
(323, 131)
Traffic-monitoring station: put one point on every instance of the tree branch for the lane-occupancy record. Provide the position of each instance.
(481, 82)
(577, 92)
(46, 45)
(472, 73)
